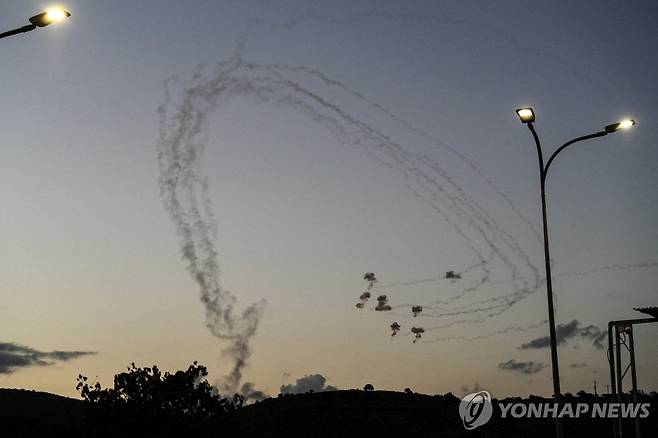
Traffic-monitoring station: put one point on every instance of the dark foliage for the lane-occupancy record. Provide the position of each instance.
(146, 402)
(350, 413)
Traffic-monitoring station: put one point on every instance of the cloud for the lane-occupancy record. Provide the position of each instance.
(14, 356)
(522, 367)
(311, 382)
(578, 365)
(571, 330)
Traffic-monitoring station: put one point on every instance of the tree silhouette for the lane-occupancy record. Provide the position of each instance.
(146, 402)
(368, 387)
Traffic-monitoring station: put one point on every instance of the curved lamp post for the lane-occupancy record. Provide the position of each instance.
(40, 20)
(527, 116)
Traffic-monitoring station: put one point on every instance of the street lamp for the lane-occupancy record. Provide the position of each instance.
(40, 20)
(527, 116)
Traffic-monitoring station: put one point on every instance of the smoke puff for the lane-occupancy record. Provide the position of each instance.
(250, 393)
(395, 327)
(382, 304)
(312, 382)
(418, 333)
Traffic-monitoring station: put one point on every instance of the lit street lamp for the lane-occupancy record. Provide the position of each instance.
(40, 20)
(527, 116)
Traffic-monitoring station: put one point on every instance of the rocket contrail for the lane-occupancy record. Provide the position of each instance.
(184, 192)
(184, 188)
(485, 336)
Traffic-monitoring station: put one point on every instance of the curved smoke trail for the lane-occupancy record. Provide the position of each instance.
(184, 191)
(184, 188)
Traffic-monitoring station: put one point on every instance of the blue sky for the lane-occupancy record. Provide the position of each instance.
(90, 259)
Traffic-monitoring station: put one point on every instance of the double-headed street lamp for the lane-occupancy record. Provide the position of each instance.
(40, 20)
(527, 116)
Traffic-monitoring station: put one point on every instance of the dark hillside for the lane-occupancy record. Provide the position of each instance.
(30, 413)
(348, 413)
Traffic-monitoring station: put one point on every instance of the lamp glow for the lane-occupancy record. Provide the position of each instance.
(624, 124)
(55, 14)
(527, 115)
(50, 16)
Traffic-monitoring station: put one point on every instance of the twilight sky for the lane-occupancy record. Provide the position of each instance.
(350, 137)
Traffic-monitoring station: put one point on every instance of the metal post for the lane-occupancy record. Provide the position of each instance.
(549, 293)
(611, 361)
(631, 349)
(620, 390)
(549, 281)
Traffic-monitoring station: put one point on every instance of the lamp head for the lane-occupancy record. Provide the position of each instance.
(527, 115)
(50, 16)
(624, 124)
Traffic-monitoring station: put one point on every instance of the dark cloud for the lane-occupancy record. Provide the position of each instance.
(522, 367)
(14, 356)
(571, 330)
(311, 382)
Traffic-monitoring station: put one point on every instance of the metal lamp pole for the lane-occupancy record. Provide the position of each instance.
(527, 116)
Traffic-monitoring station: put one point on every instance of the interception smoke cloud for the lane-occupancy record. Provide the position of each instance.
(417, 332)
(395, 328)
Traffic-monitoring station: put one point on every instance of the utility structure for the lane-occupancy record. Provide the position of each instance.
(623, 335)
(527, 116)
(40, 20)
